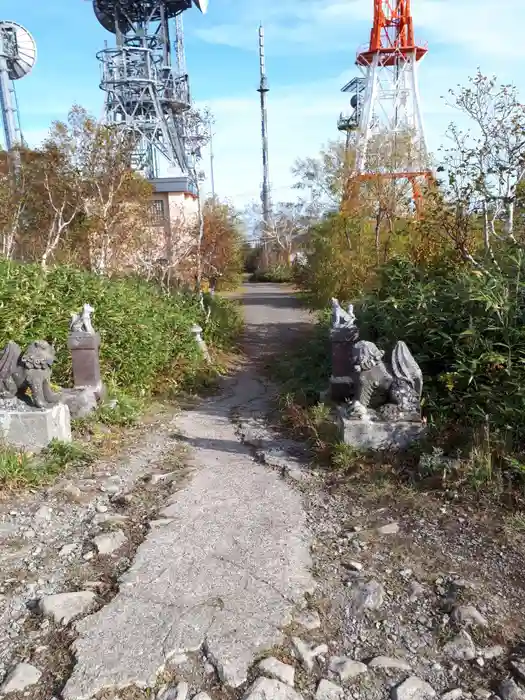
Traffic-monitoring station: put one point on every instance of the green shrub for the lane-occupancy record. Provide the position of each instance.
(277, 273)
(466, 329)
(145, 333)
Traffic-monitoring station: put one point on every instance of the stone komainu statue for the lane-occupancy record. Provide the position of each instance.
(340, 317)
(29, 370)
(394, 392)
(81, 322)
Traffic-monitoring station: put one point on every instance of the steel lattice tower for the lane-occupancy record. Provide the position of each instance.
(145, 79)
(390, 140)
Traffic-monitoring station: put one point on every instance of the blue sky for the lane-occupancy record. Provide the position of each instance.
(310, 49)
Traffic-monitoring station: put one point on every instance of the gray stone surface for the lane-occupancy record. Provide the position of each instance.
(110, 542)
(389, 662)
(308, 652)
(378, 435)
(81, 402)
(468, 615)
(510, 690)
(366, 596)
(225, 572)
(518, 667)
(413, 689)
(35, 428)
(273, 668)
(309, 619)
(346, 668)
(388, 529)
(270, 689)
(326, 690)
(64, 607)
(461, 647)
(21, 677)
(454, 694)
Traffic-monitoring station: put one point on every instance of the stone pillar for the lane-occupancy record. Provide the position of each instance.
(342, 339)
(86, 364)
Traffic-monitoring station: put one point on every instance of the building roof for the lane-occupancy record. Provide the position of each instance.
(181, 183)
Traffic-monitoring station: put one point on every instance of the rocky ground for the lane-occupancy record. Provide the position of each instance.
(406, 596)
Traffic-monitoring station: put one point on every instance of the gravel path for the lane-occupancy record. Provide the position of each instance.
(230, 564)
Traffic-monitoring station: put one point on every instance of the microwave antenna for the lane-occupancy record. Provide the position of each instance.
(17, 58)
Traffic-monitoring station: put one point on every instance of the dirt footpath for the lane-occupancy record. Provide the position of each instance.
(213, 558)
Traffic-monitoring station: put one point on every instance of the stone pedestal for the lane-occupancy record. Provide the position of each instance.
(33, 428)
(342, 340)
(85, 356)
(88, 388)
(378, 435)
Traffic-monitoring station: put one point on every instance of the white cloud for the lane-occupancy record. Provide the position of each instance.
(301, 119)
(489, 27)
(462, 34)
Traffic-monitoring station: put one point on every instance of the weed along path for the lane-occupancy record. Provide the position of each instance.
(226, 565)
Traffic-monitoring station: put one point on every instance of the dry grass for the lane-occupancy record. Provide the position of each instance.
(20, 469)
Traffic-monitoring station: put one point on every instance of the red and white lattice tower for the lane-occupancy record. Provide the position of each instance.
(390, 140)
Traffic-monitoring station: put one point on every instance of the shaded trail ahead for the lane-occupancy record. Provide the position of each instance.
(229, 564)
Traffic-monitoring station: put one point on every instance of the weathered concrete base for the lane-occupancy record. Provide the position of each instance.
(378, 435)
(83, 401)
(33, 428)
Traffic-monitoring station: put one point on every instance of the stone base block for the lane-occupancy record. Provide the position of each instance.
(340, 388)
(82, 402)
(33, 429)
(378, 435)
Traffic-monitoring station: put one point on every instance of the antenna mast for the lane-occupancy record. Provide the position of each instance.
(17, 58)
(6, 97)
(212, 162)
(265, 191)
(145, 78)
(390, 143)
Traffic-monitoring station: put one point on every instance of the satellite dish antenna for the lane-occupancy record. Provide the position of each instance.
(17, 58)
(20, 47)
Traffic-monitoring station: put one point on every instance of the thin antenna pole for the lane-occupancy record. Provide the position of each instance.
(212, 158)
(265, 192)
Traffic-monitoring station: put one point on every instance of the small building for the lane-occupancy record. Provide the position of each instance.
(173, 218)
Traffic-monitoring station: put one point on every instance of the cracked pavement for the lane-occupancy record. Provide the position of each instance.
(231, 564)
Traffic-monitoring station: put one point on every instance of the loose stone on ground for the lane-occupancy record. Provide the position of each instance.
(109, 543)
(65, 607)
(21, 677)
(326, 690)
(346, 668)
(308, 653)
(389, 662)
(273, 668)
(461, 648)
(271, 689)
(413, 689)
